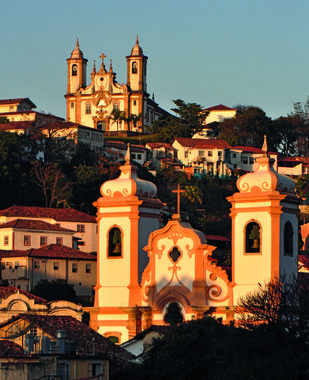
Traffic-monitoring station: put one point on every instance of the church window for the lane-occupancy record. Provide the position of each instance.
(134, 68)
(116, 106)
(173, 316)
(74, 70)
(134, 102)
(288, 239)
(174, 254)
(72, 104)
(252, 238)
(114, 339)
(114, 242)
(88, 108)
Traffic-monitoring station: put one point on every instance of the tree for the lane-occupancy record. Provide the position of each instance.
(165, 130)
(193, 194)
(301, 116)
(191, 117)
(248, 127)
(135, 119)
(4, 120)
(286, 130)
(52, 182)
(55, 290)
(118, 116)
(279, 303)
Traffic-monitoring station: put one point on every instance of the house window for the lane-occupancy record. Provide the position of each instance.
(74, 70)
(134, 68)
(220, 153)
(234, 155)
(43, 241)
(56, 265)
(74, 268)
(133, 156)
(59, 240)
(3, 266)
(139, 156)
(36, 264)
(80, 228)
(245, 160)
(201, 153)
(6, 240)
(252, 237)
(251, 160)
(114, 242)
(210, 153)
(94, 369)
(88, 108)
(186, 154)
(88, 268)
(27, 240)
(288, 239)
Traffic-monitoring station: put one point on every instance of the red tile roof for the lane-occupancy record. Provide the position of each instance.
(58, 214)
(202, 143)
(156, 145)
(30, 224)
(10, 349)
(75, 331)
(15, 125)
(304, 260)
(17, 101)
(220, 107)
(6, 291)
(49, 251)
(217, 238)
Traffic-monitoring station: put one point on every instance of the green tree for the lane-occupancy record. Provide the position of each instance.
(55, 290)
(165, 130)
(300, 114)
(193, 194)
(286, 130)
(118, 116)
(248, 127)
(4, 120)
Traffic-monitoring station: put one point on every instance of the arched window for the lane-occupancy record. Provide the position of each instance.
(114, 242)
(252, 238)
(288, 239)
(173, 316)
(74, 70)
(134, 68)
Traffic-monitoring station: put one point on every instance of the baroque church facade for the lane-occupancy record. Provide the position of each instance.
(105, 104)
(151, 275)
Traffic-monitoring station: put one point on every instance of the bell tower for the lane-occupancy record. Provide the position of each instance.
(136, 69)
(127, 213)
(264, 227)
(77, 65)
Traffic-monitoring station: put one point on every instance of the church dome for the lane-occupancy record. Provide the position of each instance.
(137, 50)
(265, 178)
(77, 53)
(128, 184)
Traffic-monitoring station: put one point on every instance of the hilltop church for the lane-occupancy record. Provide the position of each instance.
(105, 104)
(151, 275)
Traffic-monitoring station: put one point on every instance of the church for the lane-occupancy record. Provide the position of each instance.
(150, 275)
(105, 104)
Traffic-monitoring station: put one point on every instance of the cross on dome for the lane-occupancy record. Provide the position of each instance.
(102, 56)
(178, 192)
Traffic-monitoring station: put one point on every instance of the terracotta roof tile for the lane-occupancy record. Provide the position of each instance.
(58, 214)
(10, 349)
(49, 251)
(16, 101)
(14, 125)
(6, 291)
(154, 145)
(203, 143)
(75, 331)
(122, 146)
(30, 224)
(304, 260)
(220, 107)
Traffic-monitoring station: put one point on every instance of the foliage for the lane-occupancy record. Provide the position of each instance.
(55, 290)
(193, 194)
(189, 120)
(205, 349)
(301, 115)
(52, 182)
(16, 155)
(4, 120)
(279, 303)
(248, 127)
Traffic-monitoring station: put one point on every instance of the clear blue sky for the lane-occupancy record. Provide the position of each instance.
(209, 52)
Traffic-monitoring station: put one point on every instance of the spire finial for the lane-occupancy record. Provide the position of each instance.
(128, 156)
(137, 42)
(110, 66)
(77, 43)
(264, 147)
